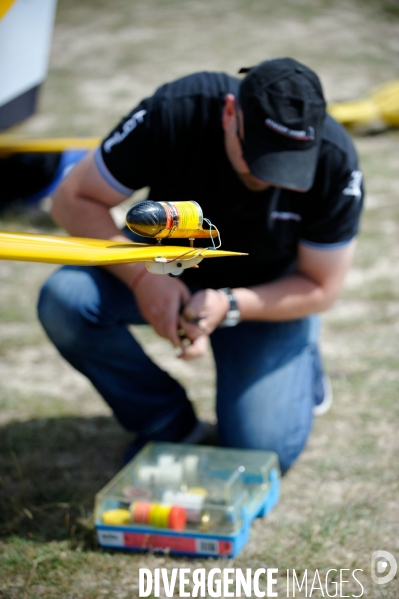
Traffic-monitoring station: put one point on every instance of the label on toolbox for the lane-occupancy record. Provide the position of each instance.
(141, 540)
(110, 538)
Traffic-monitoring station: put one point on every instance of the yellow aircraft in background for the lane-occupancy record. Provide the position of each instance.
(379, 105)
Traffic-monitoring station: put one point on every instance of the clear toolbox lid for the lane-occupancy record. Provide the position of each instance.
(187, 488)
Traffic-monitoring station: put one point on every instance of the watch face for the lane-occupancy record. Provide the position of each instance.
(233, 315)
(232, 318)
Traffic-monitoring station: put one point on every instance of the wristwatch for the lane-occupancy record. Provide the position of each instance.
(233, 315)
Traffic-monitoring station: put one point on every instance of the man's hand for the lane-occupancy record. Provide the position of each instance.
(159, 299)
(198, 319)
(194, 349)
(204, 312)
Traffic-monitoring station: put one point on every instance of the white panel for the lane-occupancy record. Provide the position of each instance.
(111, 538)
(25, 39)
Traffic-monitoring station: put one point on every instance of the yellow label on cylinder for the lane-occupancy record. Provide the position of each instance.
(190, 215)
(184, 219)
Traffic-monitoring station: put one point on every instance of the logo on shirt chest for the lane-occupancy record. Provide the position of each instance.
(275, 215)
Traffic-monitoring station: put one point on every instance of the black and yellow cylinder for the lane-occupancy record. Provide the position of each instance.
(168, 219)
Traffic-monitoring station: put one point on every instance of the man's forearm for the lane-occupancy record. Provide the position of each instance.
(83, 217)
(294, 296)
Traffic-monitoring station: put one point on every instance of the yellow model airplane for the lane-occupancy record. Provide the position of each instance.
(158, 258)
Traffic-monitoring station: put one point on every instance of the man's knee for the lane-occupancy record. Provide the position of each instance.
(61, 308)
(287, 452)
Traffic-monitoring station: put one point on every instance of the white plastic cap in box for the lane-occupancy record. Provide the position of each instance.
(192, 502)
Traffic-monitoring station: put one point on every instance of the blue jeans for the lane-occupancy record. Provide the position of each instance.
(268, 373)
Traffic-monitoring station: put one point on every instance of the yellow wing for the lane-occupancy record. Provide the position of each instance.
(29, 247)
(12, 144)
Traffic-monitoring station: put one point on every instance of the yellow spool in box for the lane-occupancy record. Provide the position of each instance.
(159, 515)
(116, 517)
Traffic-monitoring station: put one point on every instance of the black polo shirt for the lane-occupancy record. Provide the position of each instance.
(173, 142)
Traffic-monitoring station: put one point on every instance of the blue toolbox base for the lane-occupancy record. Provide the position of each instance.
(186, 499)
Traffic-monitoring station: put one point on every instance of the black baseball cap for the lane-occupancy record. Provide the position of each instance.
(284, 108)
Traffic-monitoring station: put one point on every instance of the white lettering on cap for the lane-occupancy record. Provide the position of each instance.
(301, 135)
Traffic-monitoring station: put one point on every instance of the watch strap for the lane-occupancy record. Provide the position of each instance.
(233, 315)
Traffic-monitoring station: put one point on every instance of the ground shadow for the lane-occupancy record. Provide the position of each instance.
(51, 469)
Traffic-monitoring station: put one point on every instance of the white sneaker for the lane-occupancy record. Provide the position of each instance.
(325, 405)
